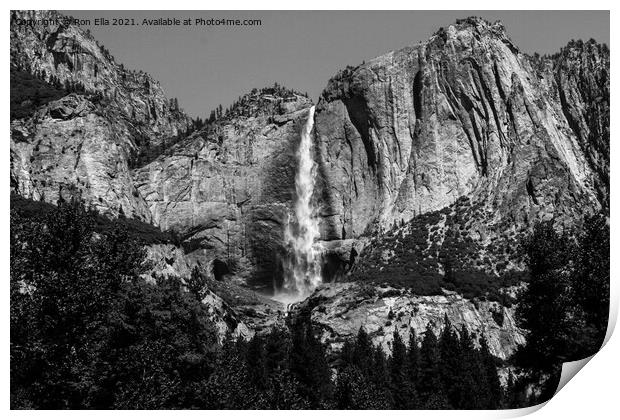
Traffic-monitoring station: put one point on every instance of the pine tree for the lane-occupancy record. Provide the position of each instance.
(413, 358)
(493, 387)
(362, 355)
(227, 387)
(545, 306)
(591, 280)
(255, 360)
(451, 366)
(430, 388)
(380, 378)
(401, 383)
(514, 395)
(564, 308)
(354, 391)
(363, 378)
(309, 366)
(91, 333)
(282, 392)
(197, 283)
(472, 381)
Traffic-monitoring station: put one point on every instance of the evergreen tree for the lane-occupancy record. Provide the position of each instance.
(228, 387)
(471, 380)
(87, 331)
(494, 391)
(413, 358)
(564, 308)
(282, 392)
(354, 391)
(197, 283)
(430, 387)
(451, 367)
(591, 279)
(545, 306)
(256, 363)
(514, 395)
(362, 355)
(363, 377)
(401, 382)
(308, 364)
(380, 378)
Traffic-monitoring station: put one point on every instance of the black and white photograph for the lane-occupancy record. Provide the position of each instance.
(306, 209)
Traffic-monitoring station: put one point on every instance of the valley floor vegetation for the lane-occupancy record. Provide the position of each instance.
(87, 331)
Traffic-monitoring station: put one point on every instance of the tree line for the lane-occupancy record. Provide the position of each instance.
(30, 91)
(564, 309)
(87, 331)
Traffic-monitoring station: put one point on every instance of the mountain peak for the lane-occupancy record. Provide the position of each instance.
(477, 27)
(270, 100)
(478, 23)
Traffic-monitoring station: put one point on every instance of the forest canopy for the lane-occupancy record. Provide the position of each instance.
(87, 331)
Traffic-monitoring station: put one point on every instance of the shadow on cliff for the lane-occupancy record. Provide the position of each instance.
(143, 232)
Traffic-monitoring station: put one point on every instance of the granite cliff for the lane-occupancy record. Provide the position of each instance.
(227, 189)
(432, 160)
(86, 142)
(465, 114)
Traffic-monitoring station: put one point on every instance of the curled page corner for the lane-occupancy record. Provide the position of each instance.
(570, 369)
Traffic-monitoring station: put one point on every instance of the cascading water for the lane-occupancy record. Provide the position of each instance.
(302, 268)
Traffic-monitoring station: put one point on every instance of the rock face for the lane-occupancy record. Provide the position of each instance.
(227, 189)
(582, 83)
(85, 140)
(71, 146)
(463, 122)
(233, 309)
(225, 319)
(167, 260)
(340, 310)
(464, 114)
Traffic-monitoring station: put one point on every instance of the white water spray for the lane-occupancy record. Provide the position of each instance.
(302, 268)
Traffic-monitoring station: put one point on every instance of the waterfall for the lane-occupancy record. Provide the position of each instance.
(302, 267)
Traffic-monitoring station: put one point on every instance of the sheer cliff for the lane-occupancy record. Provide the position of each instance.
(228, 189)
(88, 140)
(465, 114)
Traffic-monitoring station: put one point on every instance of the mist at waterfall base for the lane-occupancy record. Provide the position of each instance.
(302, 264)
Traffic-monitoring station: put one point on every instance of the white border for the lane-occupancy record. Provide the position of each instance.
(592, 395)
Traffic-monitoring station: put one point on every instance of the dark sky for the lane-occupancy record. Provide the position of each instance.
(207, 66)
